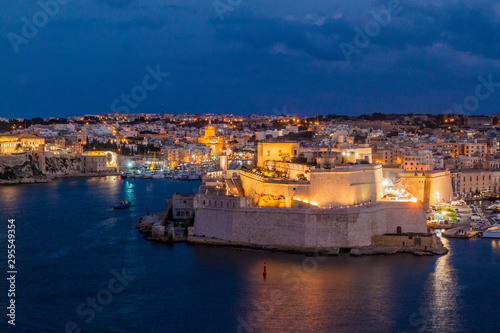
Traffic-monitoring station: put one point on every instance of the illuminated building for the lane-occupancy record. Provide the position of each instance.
(99, 162)
(10, 146)
(210, 139)
(18, 144)
(291, 205)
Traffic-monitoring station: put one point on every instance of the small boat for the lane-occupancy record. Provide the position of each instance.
(194, 176)
(123, 205)
(138, 176)
(492, 233)
(158, 175)
(147, 175)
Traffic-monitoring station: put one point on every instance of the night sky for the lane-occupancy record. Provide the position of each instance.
(247, 56)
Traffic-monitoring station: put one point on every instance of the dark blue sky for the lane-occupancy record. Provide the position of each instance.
(255, 57)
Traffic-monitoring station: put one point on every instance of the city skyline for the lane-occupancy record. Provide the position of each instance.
(248, 57)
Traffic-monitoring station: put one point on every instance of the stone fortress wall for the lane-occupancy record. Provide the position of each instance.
(307, 228)
(339, 206)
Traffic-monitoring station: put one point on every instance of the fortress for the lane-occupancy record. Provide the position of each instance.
(289, 202)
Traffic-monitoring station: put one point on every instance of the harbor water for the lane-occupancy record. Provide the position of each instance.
(72, 247)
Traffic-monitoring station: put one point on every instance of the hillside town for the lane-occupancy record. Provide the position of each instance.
(466, 147)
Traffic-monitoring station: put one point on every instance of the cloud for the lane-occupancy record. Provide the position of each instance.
(463, 27)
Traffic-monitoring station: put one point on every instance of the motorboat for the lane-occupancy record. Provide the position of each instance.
(138, 176)
(194, 176)
(158, 175)
(493, 206)
(123, 205)
(492, 233)
(147, 175)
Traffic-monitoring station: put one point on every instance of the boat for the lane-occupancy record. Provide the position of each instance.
(147, 175)
(138, 176)
(492, 233)
(158, 175)
(194, 176)
(493, 206)
(123, 205)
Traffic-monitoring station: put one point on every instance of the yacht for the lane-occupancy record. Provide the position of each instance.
(194, 176)
(493, 206)
(492, 233)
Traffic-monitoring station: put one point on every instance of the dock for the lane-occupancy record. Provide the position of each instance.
(461, 232)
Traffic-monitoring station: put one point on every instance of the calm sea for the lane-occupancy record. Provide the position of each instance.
(71, 245)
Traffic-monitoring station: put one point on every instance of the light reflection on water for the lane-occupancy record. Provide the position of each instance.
(445, 292)
(75, 238)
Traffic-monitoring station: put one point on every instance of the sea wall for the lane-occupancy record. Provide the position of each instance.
(308, 228)
(13, 160)
(21, 169)
(33, 167)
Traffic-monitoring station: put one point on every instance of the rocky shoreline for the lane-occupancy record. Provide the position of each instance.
(34, 180)
(334, 251)
(29, 173)
(419, 251)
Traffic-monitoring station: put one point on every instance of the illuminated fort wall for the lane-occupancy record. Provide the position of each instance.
(349, 185)
(430, 187)
(309, 228)
(273, 151)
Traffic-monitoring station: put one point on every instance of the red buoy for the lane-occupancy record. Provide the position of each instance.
(264, 273)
